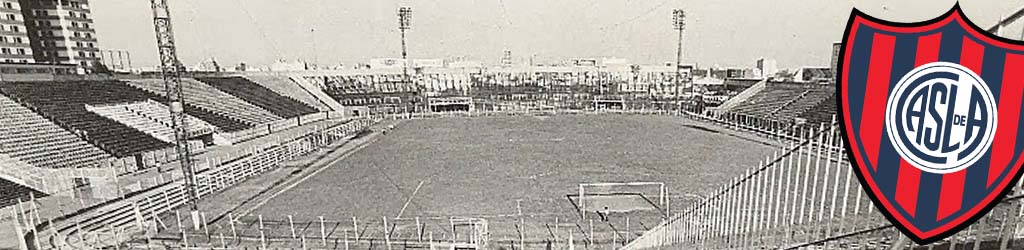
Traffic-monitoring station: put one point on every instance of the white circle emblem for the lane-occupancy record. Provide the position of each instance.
(941, 117)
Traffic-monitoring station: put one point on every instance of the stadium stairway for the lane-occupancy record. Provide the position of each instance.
(258, 95)
(31, 138)
(287, 87)
(213, 100)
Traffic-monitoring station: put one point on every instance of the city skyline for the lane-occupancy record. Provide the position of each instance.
(259, 32)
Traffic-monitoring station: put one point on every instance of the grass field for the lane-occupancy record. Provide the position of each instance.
(485, 166)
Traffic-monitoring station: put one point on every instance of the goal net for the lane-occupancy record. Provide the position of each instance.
(621, 197)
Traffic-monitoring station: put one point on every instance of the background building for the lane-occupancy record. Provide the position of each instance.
(14, 40)
(766, 67)
(387, 63)
(398, 63)
(61, 32)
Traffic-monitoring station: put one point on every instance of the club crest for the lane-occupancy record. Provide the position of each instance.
(940, 117)
(931, 116)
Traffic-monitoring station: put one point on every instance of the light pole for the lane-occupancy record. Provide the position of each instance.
(316, 56)
(404, 21)
(679, 24)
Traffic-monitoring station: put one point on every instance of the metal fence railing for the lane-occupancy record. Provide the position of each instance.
(112, 223)
(805, 196)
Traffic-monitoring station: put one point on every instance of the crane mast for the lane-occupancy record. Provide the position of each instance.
(171, 70)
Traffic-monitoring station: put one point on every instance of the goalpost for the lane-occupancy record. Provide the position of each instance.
(623, 196)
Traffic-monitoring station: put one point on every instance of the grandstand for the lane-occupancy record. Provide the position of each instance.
(290, 88)
(222, 122)
(211, 99)
(11, 192)
(784, 101)
(150, 117)
(377, 92)
(64, 103)
(821, 112)
(31, 138)
(258, 95)
(808, 99)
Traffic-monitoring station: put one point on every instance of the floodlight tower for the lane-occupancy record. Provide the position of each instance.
(679, 24)
(171, 70)
(316, 56)
(404, 19)
(404, 23)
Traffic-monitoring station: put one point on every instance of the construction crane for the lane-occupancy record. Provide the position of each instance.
(171, 70)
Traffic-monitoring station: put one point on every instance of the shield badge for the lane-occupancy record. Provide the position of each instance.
(931, 116)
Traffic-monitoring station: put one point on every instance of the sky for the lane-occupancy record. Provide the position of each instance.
(718, 32)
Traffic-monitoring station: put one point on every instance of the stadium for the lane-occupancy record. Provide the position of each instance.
(591, 153)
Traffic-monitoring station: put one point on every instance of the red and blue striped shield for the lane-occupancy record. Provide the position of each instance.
(931, 115)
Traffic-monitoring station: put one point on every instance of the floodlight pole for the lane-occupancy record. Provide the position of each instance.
(404, 16)
(316, 56)
(404, 23)
(679, 24)
(171, 70)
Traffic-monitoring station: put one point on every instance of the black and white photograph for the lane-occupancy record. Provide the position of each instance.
(511, 124)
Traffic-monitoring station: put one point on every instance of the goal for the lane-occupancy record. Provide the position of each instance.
(622, 197)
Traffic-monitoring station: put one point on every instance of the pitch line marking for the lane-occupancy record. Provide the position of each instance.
(314, 173)
(413, 195)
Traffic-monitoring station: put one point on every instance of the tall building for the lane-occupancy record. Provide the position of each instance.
(14, 40)
(61, 32)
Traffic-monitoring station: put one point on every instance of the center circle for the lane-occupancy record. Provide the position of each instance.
(941, 117)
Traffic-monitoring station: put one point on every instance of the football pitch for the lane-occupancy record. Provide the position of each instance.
(511, 167)
(504, 165)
